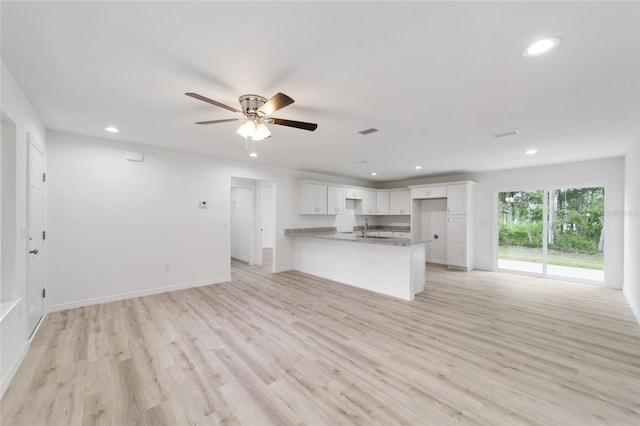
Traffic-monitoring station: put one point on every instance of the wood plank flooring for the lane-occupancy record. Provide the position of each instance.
(475, 348)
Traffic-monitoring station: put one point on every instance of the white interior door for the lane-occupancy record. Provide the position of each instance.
(35, 273)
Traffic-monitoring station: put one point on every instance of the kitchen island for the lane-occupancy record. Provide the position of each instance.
(390, 265)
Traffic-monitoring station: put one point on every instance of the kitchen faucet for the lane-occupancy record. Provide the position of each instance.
(366, 227)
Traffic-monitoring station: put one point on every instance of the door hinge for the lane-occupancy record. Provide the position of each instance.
(44, 235)
(44, 177)
(44, 293)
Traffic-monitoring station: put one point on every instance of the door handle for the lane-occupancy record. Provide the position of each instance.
(34, 251)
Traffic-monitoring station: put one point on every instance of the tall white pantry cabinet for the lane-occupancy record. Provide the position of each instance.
(459, 232)
(460, 225)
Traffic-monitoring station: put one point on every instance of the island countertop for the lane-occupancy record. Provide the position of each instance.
(394, 266)
(329, 233)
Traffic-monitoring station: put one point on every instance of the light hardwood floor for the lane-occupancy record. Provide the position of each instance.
(475, 348)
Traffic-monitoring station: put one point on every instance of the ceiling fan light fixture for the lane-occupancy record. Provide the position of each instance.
(261, 132)
(247, 130)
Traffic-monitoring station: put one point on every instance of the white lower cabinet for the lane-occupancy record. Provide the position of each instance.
(458, 249)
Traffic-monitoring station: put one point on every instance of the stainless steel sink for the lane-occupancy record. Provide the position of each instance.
(372, 236)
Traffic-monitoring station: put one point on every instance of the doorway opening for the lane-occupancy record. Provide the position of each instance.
(253, 218)
(556, 232)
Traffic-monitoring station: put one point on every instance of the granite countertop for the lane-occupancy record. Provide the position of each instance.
(330, 233)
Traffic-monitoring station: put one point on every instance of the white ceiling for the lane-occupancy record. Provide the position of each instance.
(438, 79)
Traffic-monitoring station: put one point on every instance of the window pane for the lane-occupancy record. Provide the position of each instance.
(576, 233)
(520, 236)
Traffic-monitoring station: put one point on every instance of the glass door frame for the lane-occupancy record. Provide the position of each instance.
(545, 231)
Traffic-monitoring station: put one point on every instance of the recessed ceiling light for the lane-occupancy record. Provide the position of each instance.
(253, 154)
(532, 151)
(374, 174)
(111, 129)
(541, 46)
(417, 167)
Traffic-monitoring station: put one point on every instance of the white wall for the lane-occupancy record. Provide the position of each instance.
(8, 234)
(13, 335)
(114, 224)
(608, 173)
(632, 228)
(267, 208)
(242, 226)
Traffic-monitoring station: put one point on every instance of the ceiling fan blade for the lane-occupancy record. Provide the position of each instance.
(278, 101)
(211, 101)
(226, 120)
(297, 124)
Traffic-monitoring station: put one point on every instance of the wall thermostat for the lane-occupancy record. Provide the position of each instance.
(203, 204)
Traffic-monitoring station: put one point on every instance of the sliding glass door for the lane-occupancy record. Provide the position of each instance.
(557, 232)
(520, 242)
(576, 233)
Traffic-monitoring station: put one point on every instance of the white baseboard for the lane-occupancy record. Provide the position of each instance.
(283, 269)
(6, 380)
(35, 331)
(635, 309)
(133, 294)
(239, 257)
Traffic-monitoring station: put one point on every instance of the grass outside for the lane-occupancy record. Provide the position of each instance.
(554, 257)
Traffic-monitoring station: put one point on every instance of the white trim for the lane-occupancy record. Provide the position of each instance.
(8, 378)
(133, 294)
(7, 307)
(283, 269)
(35, 330)
(556, 278)
(634, 309)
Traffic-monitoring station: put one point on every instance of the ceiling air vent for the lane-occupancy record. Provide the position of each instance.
(507, 133)
(367, 131)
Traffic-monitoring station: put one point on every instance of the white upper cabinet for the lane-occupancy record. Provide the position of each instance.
(427, 192)
(457, 199)
(369, 202)
(335, 200)
(382, 202)
(354, 193)
(368, 205)
(313, 198)
(400, 202)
